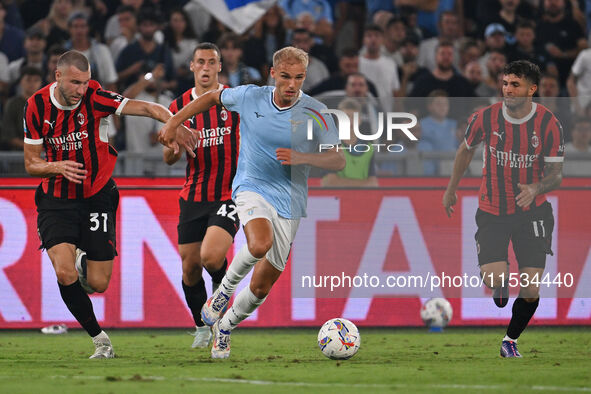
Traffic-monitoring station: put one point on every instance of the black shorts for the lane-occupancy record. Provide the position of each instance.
(530, 232)
(87, 223)
(196, 217)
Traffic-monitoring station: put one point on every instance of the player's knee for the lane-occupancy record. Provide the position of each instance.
(260, 291)
(66, 276)
(211, 260)
(260, 248)
(101, 284)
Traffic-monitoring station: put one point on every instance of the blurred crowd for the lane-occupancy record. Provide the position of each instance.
(384, 51)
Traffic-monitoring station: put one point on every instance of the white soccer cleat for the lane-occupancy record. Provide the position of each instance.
(221, 342)
(103, 352)
(81, 269)
(203, 337)
(103, 347)
(214, 307)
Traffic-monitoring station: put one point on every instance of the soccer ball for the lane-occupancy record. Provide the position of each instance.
(339, 339)
(436, 312)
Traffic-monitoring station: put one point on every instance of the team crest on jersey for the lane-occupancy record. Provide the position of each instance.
(295, 124)
(535, 141)
(81, 119)
(224, 114)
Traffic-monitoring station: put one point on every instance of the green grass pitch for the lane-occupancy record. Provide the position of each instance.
(461, 360)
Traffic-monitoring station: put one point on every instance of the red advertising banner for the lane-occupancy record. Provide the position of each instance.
(371, 256)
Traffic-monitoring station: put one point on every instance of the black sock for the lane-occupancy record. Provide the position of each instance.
(196, 296)
(522, 313)
(79, 305)
(217, 276)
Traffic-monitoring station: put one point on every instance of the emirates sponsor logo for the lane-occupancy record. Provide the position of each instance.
(512, 159)
(68, 142)
(213, 136)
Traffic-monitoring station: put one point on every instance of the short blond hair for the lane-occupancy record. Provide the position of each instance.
(290, 55)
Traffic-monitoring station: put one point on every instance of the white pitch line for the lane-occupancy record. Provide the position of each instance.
(312, 384)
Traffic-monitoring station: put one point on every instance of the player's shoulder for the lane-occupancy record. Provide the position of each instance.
(480, 112)
(248, 94)
(256, 90)
(542, 110)
(311, 102)
(180, 101)
(498, 106)
(187, 94)
(94, 85)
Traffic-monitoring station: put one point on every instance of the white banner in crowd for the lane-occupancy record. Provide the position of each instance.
(238, 15)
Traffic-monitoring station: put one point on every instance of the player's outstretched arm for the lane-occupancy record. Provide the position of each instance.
(181, 136)
(148, 109)
(167, 133)
(35, 165)
(551, 181)
(463, 158)
(329, 160)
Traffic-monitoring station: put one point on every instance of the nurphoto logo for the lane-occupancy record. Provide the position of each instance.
(395, 121)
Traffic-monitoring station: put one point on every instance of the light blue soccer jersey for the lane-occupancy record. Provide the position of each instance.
(264, 127)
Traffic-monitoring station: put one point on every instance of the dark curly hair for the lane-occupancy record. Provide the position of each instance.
(524, 69)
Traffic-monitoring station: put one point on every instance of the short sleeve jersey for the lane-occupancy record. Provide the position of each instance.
(265, 127)
(515, 151)
(210, 173)
(77, 132)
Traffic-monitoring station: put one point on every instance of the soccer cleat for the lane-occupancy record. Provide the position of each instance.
(202, 337)
(103, 347)
(214, 307)
(221, 342)
(501, 296)
(509, 349)
(81, 269)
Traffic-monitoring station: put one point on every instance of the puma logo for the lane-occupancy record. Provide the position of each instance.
(258, 115)
(500, 135)
(49, 123)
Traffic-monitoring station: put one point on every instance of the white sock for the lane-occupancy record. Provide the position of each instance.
(509, 339)
(241, 265)
(102, 337)
(244, 304)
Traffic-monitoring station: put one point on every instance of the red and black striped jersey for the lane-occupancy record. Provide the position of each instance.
(78, 133)
(515, 151)
(209, 175)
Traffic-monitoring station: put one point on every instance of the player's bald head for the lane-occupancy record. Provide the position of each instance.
(73, 58)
